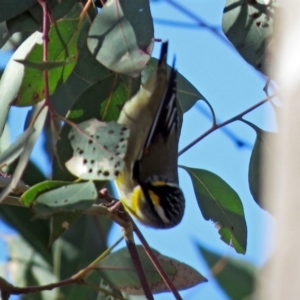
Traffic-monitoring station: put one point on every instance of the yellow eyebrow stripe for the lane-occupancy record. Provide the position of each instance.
(155, 199)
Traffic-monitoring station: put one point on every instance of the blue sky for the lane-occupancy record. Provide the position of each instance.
(231, 86)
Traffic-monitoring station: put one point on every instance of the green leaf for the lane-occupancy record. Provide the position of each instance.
(99, 149)
(23, 23)
(249, 27)
(14, 150)
(11, 8)
(118, 270)
(4, 35)
(88, 67)
(60, 222)
(31, 194)
(122, 89)
(235, 276)
(257, 166)
(62, 46)
(187, 93)
(42, 66)
(73, 197)
(221, 204)
(121, 36)
(87, 70)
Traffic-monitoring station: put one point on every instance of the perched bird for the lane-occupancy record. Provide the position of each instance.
(148, 185)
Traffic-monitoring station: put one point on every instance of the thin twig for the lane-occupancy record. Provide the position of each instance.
(86, 271)
(85, 9)
(217, 126)
(199, 21)
(46, 28)
(13, 290)
(139, 268)
(156, 263)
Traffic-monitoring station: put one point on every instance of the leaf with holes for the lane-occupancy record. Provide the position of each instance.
(249, 26)
(73, 197)
(31, 194)
(221, 204)
(119, 271)
(121, 36)
(99, 149)
(235, 276)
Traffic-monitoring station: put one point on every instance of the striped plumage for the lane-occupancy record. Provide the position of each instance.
(148, 185)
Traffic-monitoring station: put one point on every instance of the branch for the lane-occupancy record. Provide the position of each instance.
(46, 28)
(8, 289)
(217, 126)
(128, 226)
(139, 268)
(199, 21)
(156, 263)
(5, 180)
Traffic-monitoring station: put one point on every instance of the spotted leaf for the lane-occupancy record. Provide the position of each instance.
(99, 149)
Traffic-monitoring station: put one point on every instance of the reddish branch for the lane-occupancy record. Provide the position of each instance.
(156, 263)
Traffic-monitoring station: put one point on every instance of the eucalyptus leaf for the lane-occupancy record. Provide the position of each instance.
(221, 204)
(24, 22)
(62, 46)
(27, 267)
(249, 26)
(31, 194)
(39, 114)
(4, 34)
(257, 165)
(235, 276)
(14, 150)
(42, 66)
(12, 77)
(121, 36)
(11, 8)
(72, 197)
(99, 149)
(119, 271)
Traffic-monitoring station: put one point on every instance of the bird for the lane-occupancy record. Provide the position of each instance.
(148, 185)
